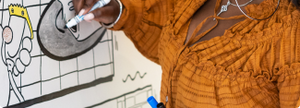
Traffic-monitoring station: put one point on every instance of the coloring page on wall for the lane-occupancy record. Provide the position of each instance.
(44, 65)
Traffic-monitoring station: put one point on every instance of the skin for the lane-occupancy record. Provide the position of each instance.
(208, 10)
(108, 14)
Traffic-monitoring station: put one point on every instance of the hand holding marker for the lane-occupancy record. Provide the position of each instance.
(74, 21)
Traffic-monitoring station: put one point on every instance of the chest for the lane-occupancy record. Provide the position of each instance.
(208, 10)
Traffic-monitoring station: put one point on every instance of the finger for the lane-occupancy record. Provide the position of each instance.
(78, 5)
(81, 12)
(107, 14)
(89, 4)
(89, 17)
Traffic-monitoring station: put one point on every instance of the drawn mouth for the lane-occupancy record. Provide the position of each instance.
(59, 43)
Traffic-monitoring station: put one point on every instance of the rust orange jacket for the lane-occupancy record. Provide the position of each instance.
(255, 63)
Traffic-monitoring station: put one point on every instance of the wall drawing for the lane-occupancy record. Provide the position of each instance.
(61, 44)
(43, 63)
(16, 47)
(135, 76)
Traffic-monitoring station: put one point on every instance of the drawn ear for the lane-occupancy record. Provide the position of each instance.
(27, 43)
(7, 34)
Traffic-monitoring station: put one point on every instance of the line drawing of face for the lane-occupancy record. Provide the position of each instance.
(16, 48)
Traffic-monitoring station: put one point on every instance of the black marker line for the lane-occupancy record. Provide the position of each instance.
(60, 93)
(41, 85)
(139, 104)
(113, 53)
(40, 7)
(57, 15)
(3, 50)
(38, 56)
(132, 79)
(21, 84)
(111, 67)
(9, 93)
(59, 74)
(93, 34)
(103, 41)
(94, 63)
(35, 5)
(2, 12)
(10, 83)
(6, 9)
(53, 78)
(116, 43)
(29, 6)
(59, 58)
(20, 43)
(77, 70)
(125, 101)
(47, 79)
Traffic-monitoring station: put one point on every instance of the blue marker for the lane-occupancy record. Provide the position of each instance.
(153, 103)
(74, 21)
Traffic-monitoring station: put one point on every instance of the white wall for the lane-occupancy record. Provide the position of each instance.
(93, 79)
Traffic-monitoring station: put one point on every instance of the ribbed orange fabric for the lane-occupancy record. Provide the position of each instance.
(254, 64)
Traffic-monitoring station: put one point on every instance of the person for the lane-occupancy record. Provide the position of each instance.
(245, 56)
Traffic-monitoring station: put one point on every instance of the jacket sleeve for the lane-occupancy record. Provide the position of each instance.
(142, 22)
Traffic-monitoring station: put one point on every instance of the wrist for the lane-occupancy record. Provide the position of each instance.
(120, 13)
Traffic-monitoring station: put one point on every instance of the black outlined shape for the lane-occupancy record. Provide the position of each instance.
(16, 59)
(60, 45)
(123, 95)
(61, 93)
(72, 89)
(132, 79)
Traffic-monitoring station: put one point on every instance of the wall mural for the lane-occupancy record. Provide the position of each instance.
(42, 62)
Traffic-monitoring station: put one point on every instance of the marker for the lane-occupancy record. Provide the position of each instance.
(74, 21)
(153, 103)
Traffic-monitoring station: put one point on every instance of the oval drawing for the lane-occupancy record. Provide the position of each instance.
(59, 43)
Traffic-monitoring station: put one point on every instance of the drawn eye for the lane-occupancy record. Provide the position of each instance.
(9, 64)
(12, 10)
(22, 13)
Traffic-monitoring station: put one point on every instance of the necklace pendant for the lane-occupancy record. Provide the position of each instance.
(223, 9)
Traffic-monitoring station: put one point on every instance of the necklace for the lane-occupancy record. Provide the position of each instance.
(224, 7)
(256, 18)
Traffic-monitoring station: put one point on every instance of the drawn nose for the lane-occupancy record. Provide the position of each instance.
(10, 65)
(7, 34)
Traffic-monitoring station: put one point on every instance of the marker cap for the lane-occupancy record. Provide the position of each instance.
(153, 103)
(106, 1)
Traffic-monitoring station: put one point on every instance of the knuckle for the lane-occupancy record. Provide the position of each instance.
(89, 2)
(97, 13)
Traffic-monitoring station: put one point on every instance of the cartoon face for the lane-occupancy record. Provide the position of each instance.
(17, 42)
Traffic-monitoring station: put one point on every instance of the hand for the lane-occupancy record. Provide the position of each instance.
(107, 14)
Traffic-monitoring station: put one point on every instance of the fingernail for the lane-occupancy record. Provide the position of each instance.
(81, 12)
(89, 17)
